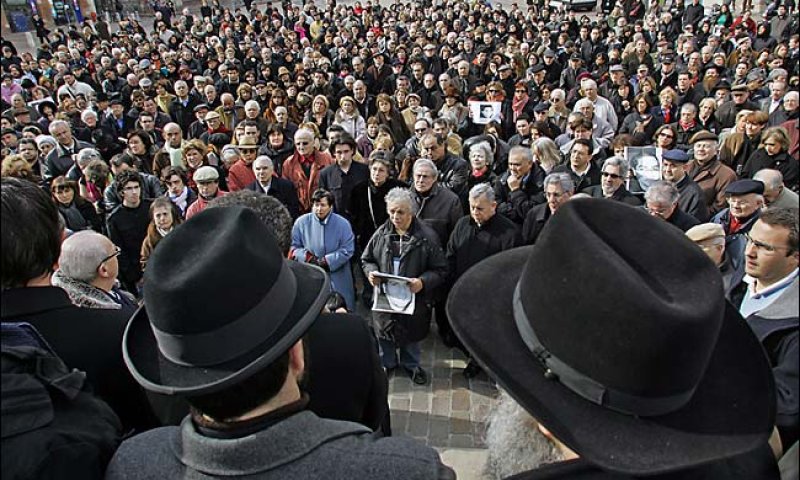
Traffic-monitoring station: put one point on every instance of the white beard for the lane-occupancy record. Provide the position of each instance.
(514, 441)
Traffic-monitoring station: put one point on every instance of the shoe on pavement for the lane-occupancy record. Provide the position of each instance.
(472, 370)
(418, 376)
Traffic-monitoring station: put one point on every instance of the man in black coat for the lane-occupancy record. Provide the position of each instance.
(520, 188)
(558, 188)
(280, 188)
(692, 199)
(477, 236)
(661, 200)
(127, 228)
(342, 176)
(582, 169)
(86, 339)
(613, 175)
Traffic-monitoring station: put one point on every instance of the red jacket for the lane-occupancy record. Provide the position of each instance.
(240, 175)
(305, 185)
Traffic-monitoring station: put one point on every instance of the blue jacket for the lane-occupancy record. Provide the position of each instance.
(333, 240)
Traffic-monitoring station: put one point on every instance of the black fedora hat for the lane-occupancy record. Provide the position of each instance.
(613, 331)
(221, 303)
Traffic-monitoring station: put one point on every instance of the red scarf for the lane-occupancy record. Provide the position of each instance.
(687, 126)
(518, 105)
(734, 226)
(306, 160)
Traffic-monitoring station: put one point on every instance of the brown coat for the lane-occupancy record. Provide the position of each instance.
(713, 178)
(305, 184)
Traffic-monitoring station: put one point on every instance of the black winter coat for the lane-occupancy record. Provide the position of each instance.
(783, 162)
(470, 243)
(88, 339)
(368, 208)
(422, 258)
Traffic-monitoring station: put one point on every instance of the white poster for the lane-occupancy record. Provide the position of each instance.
(484, 112)
(393, 295)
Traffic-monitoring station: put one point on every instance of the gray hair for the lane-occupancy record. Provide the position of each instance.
(262, 159)
(45, 140)
(521, 151)
(57, 123)
(624, 166)
(793, 93)
(86, 155)
(81, 254)
(583, 102)
(546, 152)
(88, 113)
(689, 107)
(771, 178)
(229, 151)
(426, 163)
(252, 103)
(482, 190)
(484, 148)
(562, 179)
(400, 195)
(663, 192)
(269, 209)
(558, 93)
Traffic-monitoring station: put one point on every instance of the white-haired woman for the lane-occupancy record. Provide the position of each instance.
(406, 247)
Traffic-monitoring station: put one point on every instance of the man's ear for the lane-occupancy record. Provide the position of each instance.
(297, 363)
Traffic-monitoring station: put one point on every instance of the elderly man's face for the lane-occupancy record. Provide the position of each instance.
(304, 143)
(743, 206)
(430, 148)
(481, 209)
(555, 196)
(424, 179)
(704, 151)
(263, 171)
(672, 171)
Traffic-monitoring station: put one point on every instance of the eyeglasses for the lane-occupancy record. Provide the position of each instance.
(763, 246)
(117, 251)
(420, 130)
(494, 91)
(666, 135)
(612, 175)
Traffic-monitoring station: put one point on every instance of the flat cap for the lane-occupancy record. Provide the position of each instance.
(211, 114)
(739, 88)
(616, 68)
(205, 174)
(200, 107)
(743, 187)
(703, 135)
(541, 107)
(549, 53)
(675, 155)
(537, 68)
(705, 231)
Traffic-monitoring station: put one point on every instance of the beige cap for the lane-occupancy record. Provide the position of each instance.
(211, 114)
(705, 231)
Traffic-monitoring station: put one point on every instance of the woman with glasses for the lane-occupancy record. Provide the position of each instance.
(79, 214)
(665, 138)
(773, 153)
(164, 217)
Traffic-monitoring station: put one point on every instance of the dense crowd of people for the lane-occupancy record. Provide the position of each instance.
(221, 177)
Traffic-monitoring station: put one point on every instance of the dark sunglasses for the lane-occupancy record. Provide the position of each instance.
(612, 175)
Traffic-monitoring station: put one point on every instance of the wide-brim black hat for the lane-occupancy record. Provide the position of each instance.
(221, 303)
(606, 283)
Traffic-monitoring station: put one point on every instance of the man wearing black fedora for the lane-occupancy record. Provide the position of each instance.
(235, 352)
(645, 370)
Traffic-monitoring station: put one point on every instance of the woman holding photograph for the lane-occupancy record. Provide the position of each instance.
(406, 247)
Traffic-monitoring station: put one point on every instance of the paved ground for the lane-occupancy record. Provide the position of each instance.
(448, 413)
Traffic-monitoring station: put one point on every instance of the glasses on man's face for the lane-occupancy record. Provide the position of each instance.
(766, 247)
(420, 130)
(666, 135)
(613, 176)
(117, 251)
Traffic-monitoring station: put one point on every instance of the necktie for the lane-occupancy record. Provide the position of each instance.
(667, 116)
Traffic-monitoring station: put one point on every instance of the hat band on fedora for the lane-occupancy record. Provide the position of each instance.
(236, 338)
(588, 388)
